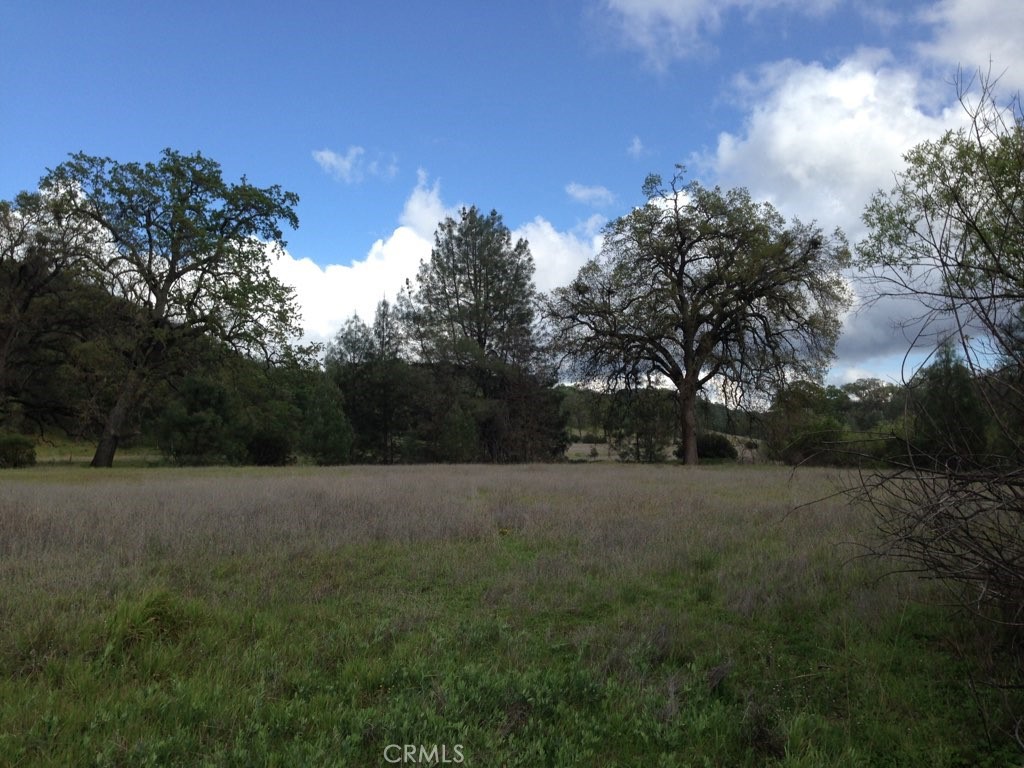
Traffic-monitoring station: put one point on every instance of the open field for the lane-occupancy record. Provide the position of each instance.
(590, 615)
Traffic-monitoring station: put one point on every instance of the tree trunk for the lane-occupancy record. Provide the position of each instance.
(113, 429)
(688, 422)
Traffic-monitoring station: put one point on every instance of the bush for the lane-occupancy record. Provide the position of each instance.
(16, 451)
(712, 445)
(269, 448)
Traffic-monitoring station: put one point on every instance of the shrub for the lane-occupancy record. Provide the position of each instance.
(16, 451)
(712, 445)
(269, 448)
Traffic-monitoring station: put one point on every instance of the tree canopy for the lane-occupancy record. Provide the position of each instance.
(189, 252)
(703, 286)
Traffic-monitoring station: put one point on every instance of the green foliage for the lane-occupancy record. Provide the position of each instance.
(326, 435)
(949, 418)
(458, 440)
(642, 423)
(269, 447)
(474, 298)
(807, 425)
(189, 252)
(462, 409)
(196, 426)
(269, 430)
(16, 451)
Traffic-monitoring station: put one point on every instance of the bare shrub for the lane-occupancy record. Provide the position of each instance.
(964, 529)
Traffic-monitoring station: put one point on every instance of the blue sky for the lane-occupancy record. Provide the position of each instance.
(384, 117)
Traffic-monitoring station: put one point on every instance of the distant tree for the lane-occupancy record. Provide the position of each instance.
(949, 418)
(701, 286)
(872, 403)
(474, 299)
(326, 433)
(469, 322)
(195, 426)
(641, 423)
(190, 252)
(806, 424)
(378, 387)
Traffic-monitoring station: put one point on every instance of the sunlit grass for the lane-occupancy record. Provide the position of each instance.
(534, 615)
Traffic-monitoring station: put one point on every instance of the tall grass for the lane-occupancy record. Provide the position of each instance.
(532, 615)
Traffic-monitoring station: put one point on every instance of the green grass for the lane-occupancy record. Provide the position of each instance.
(533, 616)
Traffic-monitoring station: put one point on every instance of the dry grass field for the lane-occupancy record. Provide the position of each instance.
(590, 614)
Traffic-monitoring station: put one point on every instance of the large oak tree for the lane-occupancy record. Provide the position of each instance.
(703, 286)
(190, 252)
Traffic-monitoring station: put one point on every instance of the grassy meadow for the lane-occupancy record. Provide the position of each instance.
(562, 615)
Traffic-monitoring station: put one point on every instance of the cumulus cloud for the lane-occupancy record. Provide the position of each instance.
(596, 195)
(353, 166)
(818, 142)
(424, 209)
(329, 295)
(971, 33)
(664, 30)
(636, 148)
(558, 255)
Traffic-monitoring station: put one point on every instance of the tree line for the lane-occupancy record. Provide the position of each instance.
(137, 302)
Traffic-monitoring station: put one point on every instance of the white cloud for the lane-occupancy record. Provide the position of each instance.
(344, 167)
(557, 255)
(424, 209)
(596, 196)
(672, 29)
(329, 295)
(353, 167)
(970, 33)
(636, 148)
(819, 142)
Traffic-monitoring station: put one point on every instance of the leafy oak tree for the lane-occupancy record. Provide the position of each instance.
(190, 252)
(704, 287)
